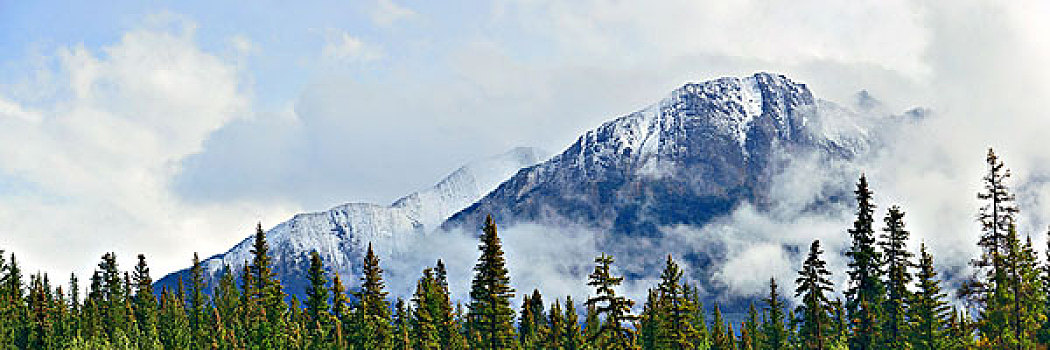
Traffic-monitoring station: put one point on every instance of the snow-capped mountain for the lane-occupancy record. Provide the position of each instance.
(341, 234)
(692, 157)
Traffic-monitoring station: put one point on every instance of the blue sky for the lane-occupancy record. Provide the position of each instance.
(138, 126)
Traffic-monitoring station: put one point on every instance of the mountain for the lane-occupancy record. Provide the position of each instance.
(685, 160)
(341, 234)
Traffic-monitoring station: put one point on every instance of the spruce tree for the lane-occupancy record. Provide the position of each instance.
(402, 326)
(987, 290)
(316, 299)
(928, 310)
(615, 333)
(555, 337)
(898, 262)
(751, 326)
(145, 301)
(375, 308)
(813, 286)
(226, 301)
(340, 311)
(424, 326)
(490, 316)
(864, 296)
(266, 307)
(719, 337)
(774, 333)
(676, 306)
(196, 302)
(574, 339)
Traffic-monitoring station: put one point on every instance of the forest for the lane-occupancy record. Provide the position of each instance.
(894, 299)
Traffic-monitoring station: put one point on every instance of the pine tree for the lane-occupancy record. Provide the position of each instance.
(574, 339)
(145, 302)
(928, 310)
(616, 310)
(555, 338)
(226, 299)
(174, 326)
(532, 327)
(751, 327)
(651, 330)
(719, 338)
(114, 311)
(813, 287)
(987, 289)
(676, 306)
(316, 299)
(402, 326)
(425, 328)
(774, 333)
(449, 326)
(340, 311)
(376, 310)
(490, 316)
(265, 299)
(898, 262)
(864, 296)
(196, 301)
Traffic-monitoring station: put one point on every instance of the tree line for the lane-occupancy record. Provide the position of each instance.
(894, 299)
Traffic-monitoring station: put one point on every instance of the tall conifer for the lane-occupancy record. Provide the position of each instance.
(490, 316)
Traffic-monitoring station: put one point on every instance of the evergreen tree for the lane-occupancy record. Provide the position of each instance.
(195, 306)
(614, 332)
(145, 302)
(555, 337)
(719, 338)
(574, 339)
(987, 290)
(751, 328)
(376, 310)
(928, 310)
(266, 309)
(676, 305)
(898, 262)
(226, 301)
(425, 328)
(340, 311)
(174, 326)
(532, 327)
(402, 326)
(813, 287)
(651, 330)
(316, 299)
(114, 311)
(864, 296)
(490, 316)
(775, 335)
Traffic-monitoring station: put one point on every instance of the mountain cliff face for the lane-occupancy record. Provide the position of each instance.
(341, 234)
(682, 161)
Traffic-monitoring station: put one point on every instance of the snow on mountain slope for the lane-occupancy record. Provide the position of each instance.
(341, 234)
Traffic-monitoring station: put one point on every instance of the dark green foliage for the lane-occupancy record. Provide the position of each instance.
(814, 287)
(864, 298)
(196, 301)
(490, 319)
(615, 332)
(928, 310)
(898, 277)
(574, 339)
(774, 332)
(891, 303)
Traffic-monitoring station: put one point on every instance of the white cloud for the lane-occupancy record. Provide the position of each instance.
(100, 157)
(386, 12)
(340, 46)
